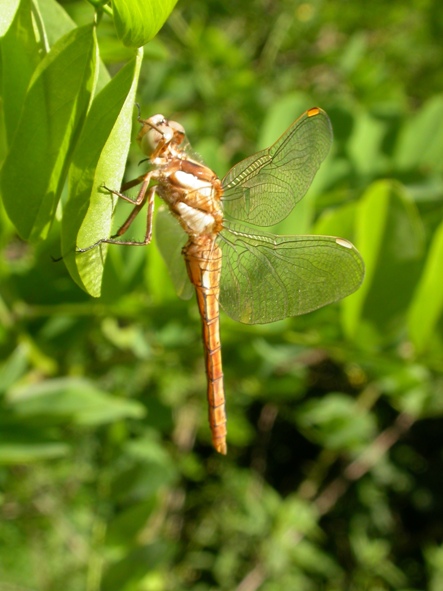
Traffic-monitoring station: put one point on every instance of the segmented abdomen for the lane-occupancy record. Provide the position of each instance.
(203, 261)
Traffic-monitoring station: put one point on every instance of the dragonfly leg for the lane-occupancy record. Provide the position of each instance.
(145, 179)
(149, 197)
(143, 196)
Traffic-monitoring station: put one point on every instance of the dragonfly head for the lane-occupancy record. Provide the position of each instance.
(158, 131)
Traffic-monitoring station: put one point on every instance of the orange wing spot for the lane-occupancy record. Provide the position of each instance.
(313, 112)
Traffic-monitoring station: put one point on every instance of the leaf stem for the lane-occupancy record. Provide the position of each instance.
(100, 6)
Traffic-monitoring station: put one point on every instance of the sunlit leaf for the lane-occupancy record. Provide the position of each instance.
(58, 23)
(138, 21)
(54, 110)
(338, 222)
(421, 141)
(57, 20)
(25, 45)
(370, 227)
(365, 143)
(8, 9)
(427, 305)
(100, 158)
(389, 235)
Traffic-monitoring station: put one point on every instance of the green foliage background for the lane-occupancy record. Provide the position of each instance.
(334, 473)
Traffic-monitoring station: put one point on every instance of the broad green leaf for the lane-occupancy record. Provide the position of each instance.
(370, 226)
(71, 399)
(12, 368)
(8, 9)
(57, 20)
(138, 21)
(23, 46)
(100, 158)
(58, 97)
(30, 451)
(389, 236)
(365, 145)
(421, 141)
(339, 221)
(58, 23)
(427, 305)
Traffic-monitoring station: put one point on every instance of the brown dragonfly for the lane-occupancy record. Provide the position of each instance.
(256, 277)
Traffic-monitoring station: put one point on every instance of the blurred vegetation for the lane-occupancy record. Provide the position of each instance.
(333, 477)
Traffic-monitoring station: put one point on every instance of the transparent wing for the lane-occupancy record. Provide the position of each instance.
(171, 238)
(267, 278)
(264, 188)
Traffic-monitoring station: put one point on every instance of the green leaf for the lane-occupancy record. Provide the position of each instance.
(58, 23)
(421, 141)
(370, 227)
(147, 468)
(12, 368)
(427, 305)
(57, 20)
(339, 221)
(71, 399)
(31, 451)
(25, 45)
(389, 236)
(138, 21)
(139, 560)
(8, 9)
(129, 522)
(54, 110)
(336, 422)
(365, 145)
(100, 158)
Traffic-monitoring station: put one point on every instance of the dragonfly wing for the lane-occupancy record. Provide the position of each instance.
(171, 238)
(264, 188)
(267, 278)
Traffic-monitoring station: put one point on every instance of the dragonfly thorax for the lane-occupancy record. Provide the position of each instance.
(192, 192)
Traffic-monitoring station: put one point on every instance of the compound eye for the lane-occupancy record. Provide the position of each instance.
(177, 127)
(179, 132)
(154, 130)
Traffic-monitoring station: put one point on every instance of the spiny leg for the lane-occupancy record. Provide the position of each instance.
(143, 196)
(149, 197)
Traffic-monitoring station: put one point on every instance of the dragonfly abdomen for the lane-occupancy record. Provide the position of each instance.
(203, 261)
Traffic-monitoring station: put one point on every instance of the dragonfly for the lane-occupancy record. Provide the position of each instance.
(255, 276)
